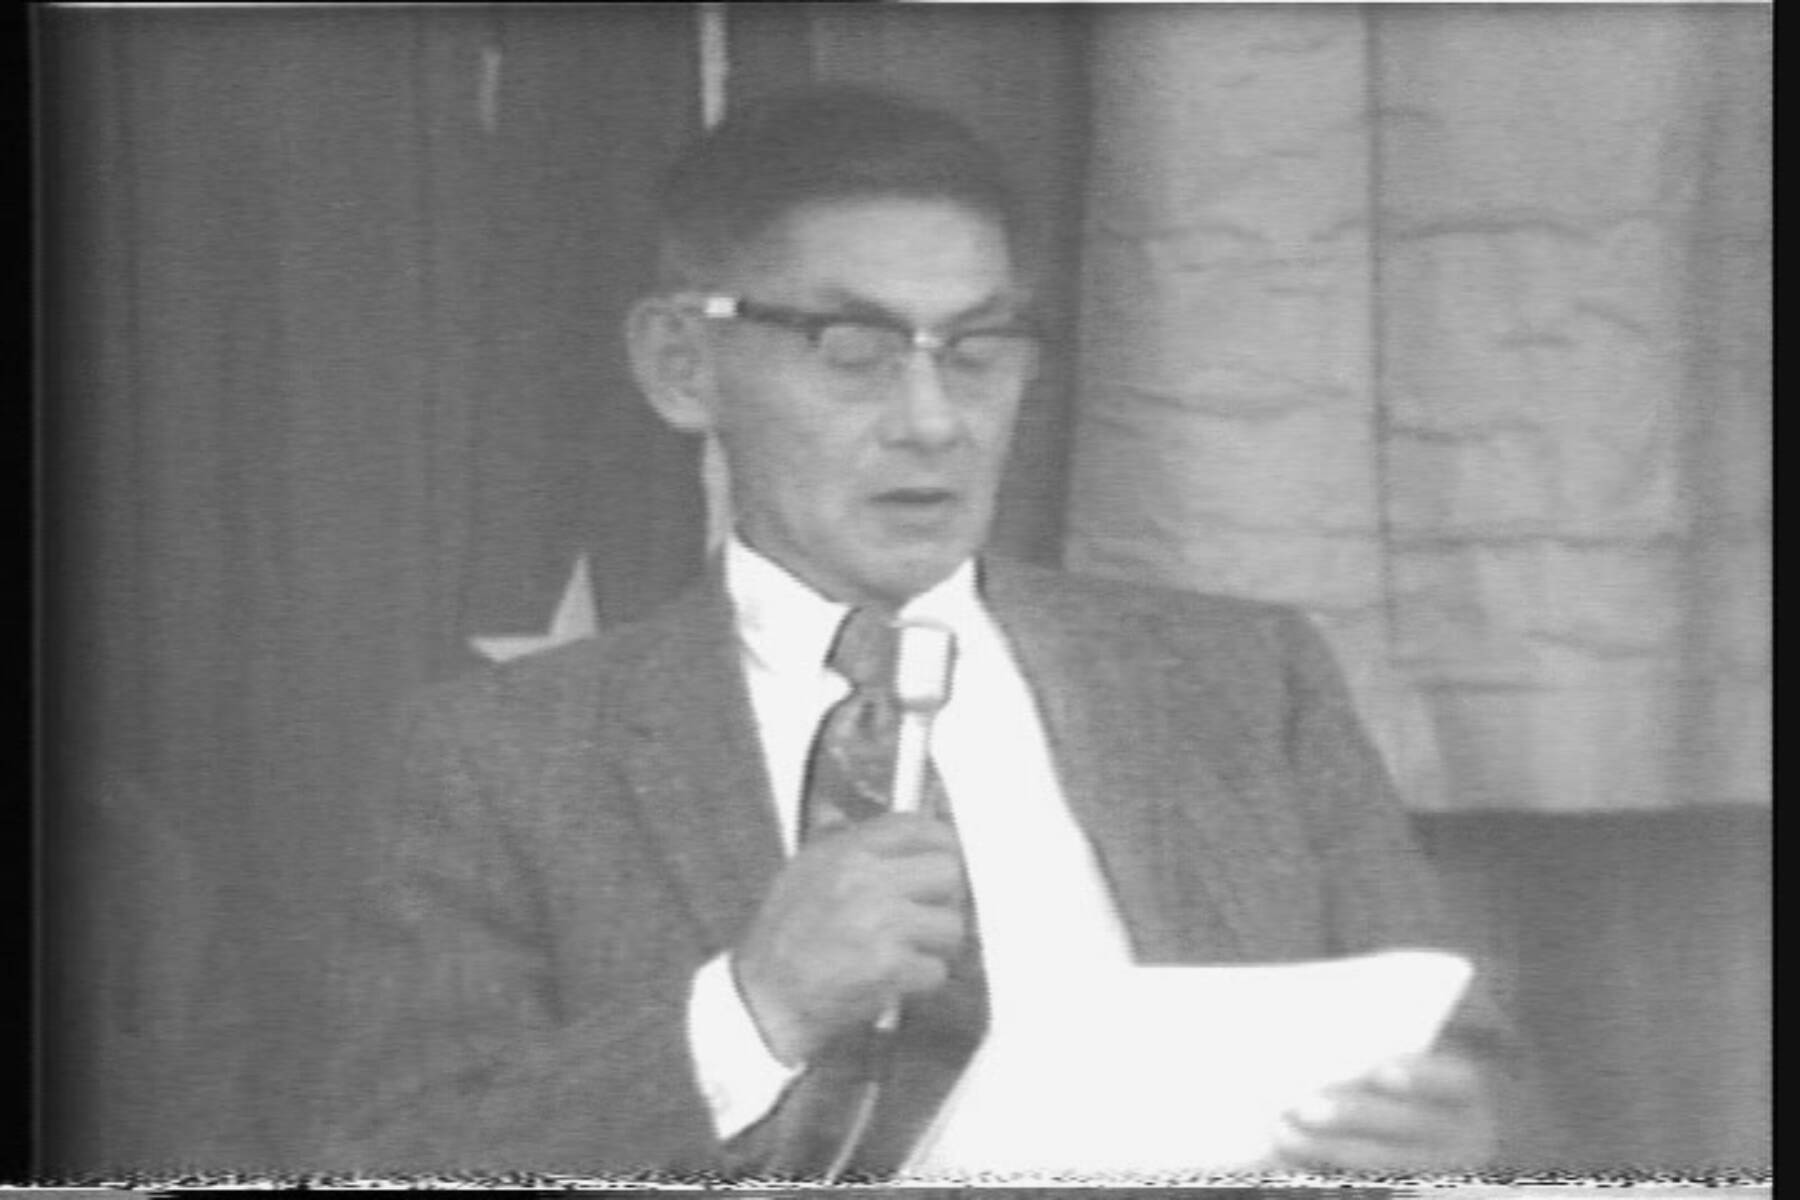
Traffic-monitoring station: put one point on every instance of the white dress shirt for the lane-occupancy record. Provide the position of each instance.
(1040, 898)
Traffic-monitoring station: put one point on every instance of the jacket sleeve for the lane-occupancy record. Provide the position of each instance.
(1381, 889)
(456, 1053)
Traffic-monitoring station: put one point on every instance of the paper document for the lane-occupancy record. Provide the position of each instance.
(1151, 1071)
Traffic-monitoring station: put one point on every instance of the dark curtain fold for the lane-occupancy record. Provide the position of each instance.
(333, 382)
(593, 102)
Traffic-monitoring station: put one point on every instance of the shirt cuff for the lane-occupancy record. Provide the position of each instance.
(739, 1077)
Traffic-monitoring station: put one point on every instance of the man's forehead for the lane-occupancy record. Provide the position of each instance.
(885, 254)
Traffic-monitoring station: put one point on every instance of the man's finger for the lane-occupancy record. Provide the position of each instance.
(889, 835)
(936, 880)
(1442, 1078)
(1365, 1115)
(921, 973)
(1414, 1114)
(936, 930)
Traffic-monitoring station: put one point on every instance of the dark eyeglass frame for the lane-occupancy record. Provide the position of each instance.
(813, 325)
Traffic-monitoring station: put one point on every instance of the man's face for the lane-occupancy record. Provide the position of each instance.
(872, 486)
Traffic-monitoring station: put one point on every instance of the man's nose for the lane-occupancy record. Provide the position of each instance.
(924, 413)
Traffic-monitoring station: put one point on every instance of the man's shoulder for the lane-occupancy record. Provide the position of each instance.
(1253, 650)
(1118, 603)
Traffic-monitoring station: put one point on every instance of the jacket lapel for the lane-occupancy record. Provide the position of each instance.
(693, 758)
(1132, 773)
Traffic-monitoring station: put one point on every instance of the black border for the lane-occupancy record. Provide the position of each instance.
(19, 1019)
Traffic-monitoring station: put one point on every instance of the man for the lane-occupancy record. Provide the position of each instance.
(611, 939)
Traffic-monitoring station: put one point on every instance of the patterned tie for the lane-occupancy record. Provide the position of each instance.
(850, 775)
(849, 779)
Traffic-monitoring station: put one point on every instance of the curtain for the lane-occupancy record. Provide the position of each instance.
(1450, 324)
(334, 381)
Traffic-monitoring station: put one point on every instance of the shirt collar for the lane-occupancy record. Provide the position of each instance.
(787, 626)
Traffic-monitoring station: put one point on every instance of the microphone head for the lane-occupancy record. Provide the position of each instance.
(926, 656)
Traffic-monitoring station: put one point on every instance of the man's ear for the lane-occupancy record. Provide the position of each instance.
(670, 363)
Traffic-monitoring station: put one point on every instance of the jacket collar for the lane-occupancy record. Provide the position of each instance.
(693, 758)
(1154, 810)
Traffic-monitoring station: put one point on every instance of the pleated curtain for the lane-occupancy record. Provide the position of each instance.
(334, 381)
(1451, 325)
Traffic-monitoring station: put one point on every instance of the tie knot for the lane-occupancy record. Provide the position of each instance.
(863, 651)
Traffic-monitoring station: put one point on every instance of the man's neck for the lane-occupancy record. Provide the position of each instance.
(889, 605)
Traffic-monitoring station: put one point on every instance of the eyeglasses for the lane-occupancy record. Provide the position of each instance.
(989, 355)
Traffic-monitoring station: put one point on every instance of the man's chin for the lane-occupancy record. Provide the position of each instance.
(898, 582)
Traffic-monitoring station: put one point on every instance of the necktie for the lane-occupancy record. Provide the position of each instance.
(849, 779)
(850, 774)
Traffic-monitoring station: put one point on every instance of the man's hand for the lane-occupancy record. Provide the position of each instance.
(1421, 1113)
(857, 919)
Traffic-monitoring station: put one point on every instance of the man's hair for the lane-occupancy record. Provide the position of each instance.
(814, 144)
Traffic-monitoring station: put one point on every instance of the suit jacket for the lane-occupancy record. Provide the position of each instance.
(570, 836)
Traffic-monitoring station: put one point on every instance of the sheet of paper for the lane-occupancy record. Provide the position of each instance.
(1155, 1071)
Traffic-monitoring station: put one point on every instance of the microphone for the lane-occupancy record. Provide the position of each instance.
(927, 655)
